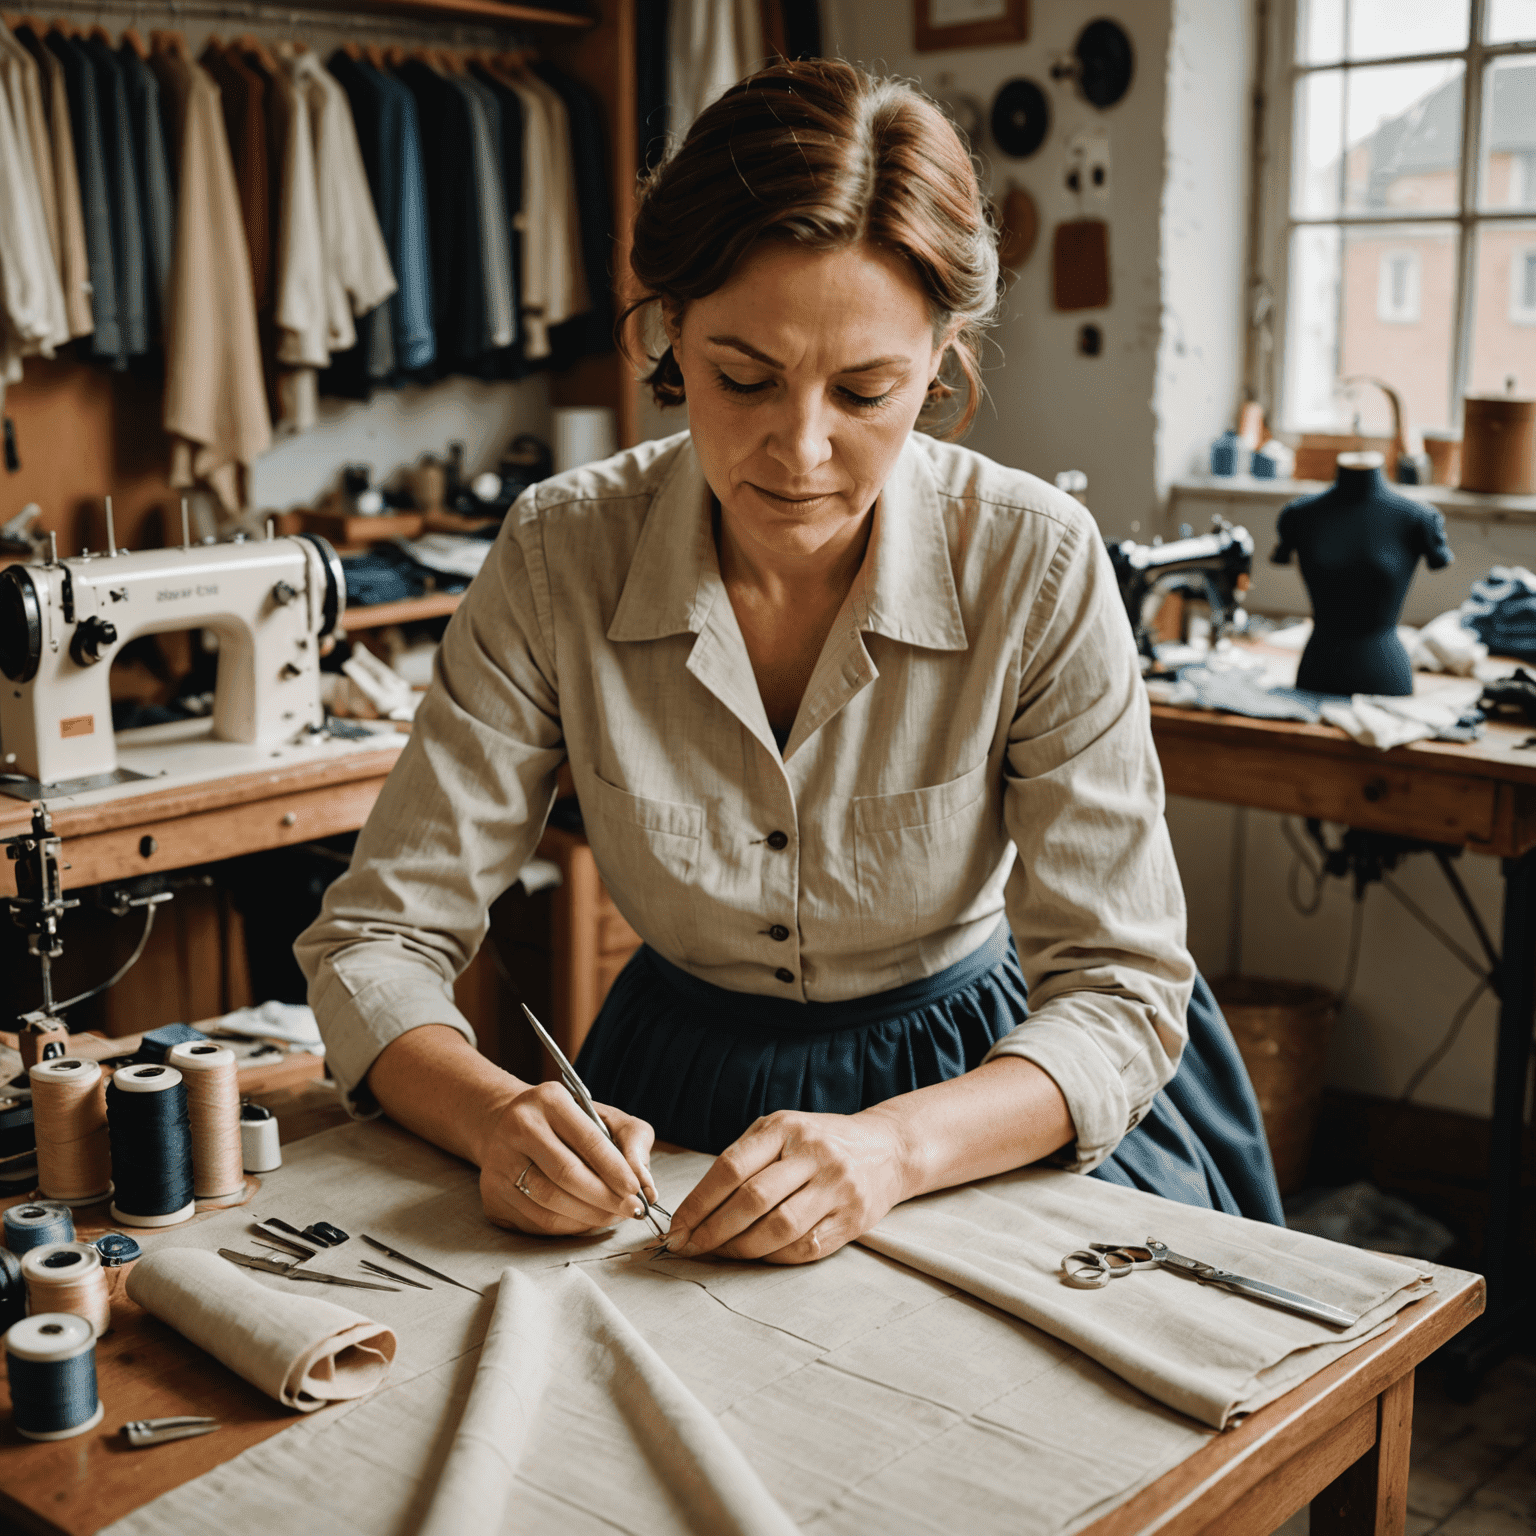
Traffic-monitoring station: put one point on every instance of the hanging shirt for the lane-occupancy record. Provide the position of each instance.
(711, 45)
(499, 326)
(23, 87)
(975, 739)
(152, 175)
(74, 258)
(125, 218)
(243, 96)
(215, 400)
(538, 223)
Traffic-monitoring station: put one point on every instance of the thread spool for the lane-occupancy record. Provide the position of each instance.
(151, 1146)
(213, 1111)
(67, 1277)
(69, 1110)
(259, 1147)
(50, 1361)
(13, 1290)
(39, 1221)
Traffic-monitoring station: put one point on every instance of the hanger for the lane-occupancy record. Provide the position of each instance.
(375, 56)
(131, 39)
(249, 43)
(351, 49)
(99, 34)
(167, 41)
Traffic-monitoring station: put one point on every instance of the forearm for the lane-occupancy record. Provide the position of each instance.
(432, 1081)
(1004, 1114)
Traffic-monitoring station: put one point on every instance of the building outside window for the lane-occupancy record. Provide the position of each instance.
(1404, 214)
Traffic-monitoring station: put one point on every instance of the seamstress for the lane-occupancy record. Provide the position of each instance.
(859, 738)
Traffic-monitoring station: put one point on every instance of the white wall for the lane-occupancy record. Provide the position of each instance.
(1166, 381)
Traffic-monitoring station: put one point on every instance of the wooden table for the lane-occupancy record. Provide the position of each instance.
(1340, 1439)
(1480, 796)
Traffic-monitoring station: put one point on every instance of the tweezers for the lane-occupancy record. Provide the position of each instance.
(578, 1091)
(293, 1272)
(378, 1269)
(426, 1269)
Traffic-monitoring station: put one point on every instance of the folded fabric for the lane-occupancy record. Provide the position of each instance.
(560, 1351)
(1239, 693)
(303, 1351)
(1207, 1352)
(1377, 720)
(1501, 608)
(1446, 644)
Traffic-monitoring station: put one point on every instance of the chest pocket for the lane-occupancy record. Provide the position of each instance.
(648, 853)
(923, 856)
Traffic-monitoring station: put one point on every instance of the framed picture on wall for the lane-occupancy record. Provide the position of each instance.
(970, 23)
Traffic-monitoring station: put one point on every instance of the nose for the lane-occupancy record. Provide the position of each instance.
(800, 436)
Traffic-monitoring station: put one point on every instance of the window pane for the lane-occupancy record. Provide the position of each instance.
(1380, 29)
(1509, 135)
(1504, 327)
(1319, 31)
(1372, 301)
(1318, 139)
(1403, 129)
(1512, 21)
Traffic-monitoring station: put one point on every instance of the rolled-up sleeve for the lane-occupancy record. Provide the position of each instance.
(459, 816)
(1095, 902)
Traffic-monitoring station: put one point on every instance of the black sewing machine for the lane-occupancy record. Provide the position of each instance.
(1213, 566)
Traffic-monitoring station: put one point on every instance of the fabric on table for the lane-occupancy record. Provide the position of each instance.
(1501, 609)
(126, 220)
(1202, 1350)
(74, 259)
(865, 1395)
(975, 739)
(561, 1355)
(157, 205)
(215, 395)
(86, 126)
(302, 1350)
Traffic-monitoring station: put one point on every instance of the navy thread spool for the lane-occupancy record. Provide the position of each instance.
(37, 1222)
(151, 1146)
(13, 1290)
(50, 1360)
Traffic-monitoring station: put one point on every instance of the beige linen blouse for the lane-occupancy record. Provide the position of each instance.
(974, 739)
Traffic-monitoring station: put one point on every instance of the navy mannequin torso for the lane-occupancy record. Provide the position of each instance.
(1358, 543)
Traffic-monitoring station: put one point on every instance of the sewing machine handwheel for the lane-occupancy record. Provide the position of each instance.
(21, 625)
(335, 600)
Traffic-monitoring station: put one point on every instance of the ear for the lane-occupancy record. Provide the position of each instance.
(941, 346)
(672, 320)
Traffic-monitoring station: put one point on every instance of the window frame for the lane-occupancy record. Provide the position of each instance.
(1275, 222)
(1522, 270)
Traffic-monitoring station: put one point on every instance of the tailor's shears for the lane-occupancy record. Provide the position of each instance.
(578, 1091)
(1096, 1265)
(295, 1272)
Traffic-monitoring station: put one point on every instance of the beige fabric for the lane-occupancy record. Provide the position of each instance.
(215, 399)
(300, 1349)
(74, 262)
(711, 45)
(560, 1356)
(979, 691)
(865, 1396)
(542, 192)
(23, 83)
(1205, 1351)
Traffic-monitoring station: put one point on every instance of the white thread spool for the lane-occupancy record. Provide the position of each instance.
(67, 1277)
(69, 1109)
(51, 1362)
(213, 1107)
(259, 1147)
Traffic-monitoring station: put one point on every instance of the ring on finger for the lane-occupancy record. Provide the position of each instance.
(520, 1186)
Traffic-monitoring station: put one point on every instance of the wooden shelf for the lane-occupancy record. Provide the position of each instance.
(434, 605)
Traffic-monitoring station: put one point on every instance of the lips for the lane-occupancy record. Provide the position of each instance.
(790, 498)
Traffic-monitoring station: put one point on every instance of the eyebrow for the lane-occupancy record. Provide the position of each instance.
(738, 345)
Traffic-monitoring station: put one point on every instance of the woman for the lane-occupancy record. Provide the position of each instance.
(818, 676)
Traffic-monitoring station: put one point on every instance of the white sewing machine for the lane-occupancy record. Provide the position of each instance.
(270, 602)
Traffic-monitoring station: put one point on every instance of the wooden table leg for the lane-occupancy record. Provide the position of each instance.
(1371, 1498)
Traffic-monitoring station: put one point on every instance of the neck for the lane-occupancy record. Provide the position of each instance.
(786, 575)
(1359, 482)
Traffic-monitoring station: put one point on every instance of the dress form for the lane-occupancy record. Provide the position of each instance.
(1358, 543)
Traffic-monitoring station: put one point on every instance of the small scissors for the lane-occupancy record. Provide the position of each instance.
(1096, 1265)
(578, 1091)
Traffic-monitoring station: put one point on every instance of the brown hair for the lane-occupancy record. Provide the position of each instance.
(826, 155)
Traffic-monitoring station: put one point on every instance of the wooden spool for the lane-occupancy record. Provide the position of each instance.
(1498, 444)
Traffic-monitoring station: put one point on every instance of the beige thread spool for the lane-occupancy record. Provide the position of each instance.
(67, 1277)
(213, 1108)
(69, 1109)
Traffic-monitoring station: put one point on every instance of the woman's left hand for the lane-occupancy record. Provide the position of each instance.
(794, 1188)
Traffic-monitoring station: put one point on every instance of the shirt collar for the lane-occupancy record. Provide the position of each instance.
(906, 590)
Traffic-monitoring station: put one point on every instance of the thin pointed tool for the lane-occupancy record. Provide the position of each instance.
(378, 1269)
(426, 1269)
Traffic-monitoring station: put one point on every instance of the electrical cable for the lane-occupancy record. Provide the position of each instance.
(1302, 860)
(1474, 917)
(1436, 1056)
(1428, 923)
(127, 965)
(1352, 965)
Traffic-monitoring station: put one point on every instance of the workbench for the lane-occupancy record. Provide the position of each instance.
(1477, 795)
(1340, 1439)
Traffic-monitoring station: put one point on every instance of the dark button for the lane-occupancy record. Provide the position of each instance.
(777, 840)
(778, 932)
(784, 975)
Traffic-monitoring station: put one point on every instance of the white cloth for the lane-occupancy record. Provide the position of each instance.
(711, 44)
(1380, 721)
(1445, 644)
(302, 1350)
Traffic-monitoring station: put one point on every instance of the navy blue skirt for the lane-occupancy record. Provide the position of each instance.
(701, 1063)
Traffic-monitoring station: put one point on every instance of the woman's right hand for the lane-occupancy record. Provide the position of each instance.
(572, 1178)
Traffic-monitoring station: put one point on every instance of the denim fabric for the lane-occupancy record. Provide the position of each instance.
(128, 249)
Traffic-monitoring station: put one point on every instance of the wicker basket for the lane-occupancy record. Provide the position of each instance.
(1282, 1030)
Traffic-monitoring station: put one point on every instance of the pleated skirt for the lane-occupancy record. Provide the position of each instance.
(701, 1063)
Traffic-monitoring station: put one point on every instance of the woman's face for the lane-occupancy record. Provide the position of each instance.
(804, 375)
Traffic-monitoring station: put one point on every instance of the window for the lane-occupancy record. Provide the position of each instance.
(1397, 288)
(1404, 211)
(1522, 286)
